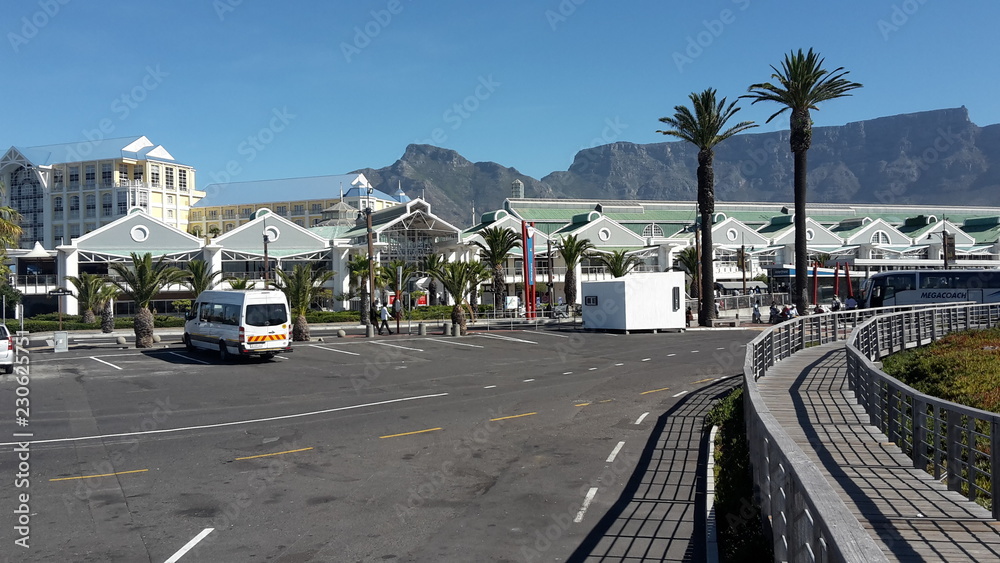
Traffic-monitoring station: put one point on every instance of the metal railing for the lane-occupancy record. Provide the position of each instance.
(949, 441)
(806, 519)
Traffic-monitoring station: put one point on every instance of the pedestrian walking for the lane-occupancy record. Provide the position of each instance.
(383, 314)
(756, 312)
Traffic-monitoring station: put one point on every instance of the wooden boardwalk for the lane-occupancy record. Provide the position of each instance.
(911, 516)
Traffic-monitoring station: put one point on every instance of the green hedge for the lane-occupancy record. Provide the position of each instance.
(42, 323)
(737, 516)
(333, 317)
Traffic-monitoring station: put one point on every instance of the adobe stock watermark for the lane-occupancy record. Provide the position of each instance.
(223, 7)
(562, 12)
(22, 450)
(254, 144)
(121, 106)
(940, 146)
(33, 24)
(457, 114)
(898, 17)
(713, 29)
(365, 34)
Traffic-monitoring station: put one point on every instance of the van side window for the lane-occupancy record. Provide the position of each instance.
(231, 314)
(205, 312)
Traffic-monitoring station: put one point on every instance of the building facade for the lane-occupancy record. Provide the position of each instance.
(65, 191)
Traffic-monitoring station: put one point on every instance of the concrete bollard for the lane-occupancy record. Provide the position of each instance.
(370, 331)
(341, 333)
(421, 329)
(120, 340)
(446, 329)
(156, 338)
(458, 329)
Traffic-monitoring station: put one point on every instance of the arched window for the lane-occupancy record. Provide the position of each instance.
(652, 230)
(880, 237)
(91, 205)
(74, 207)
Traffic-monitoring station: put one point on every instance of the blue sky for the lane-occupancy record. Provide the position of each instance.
(248, 90)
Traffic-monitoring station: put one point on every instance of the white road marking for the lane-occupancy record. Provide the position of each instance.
(509, 338)
(641, 418)
(646, 359)
(614, 452)
(619, 364)
(668, 355)
(721, 348)
(544, 332)
(694, 351)
(681, 393)
(567, 373)
(187, 547)
(232, 423)
(333, 349)
(591, 369)
(489, 387)
(397, 346)
(96, 359)
(187, 358)
(528, 380)
(455, 343)
(586, 502)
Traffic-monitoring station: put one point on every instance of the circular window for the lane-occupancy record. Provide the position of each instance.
(272, 233)
(810, 234)
(731, 234)
(604, 234)
(139, 233)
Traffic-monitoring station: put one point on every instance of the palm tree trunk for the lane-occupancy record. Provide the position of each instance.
(88, 316)
(800, 139)
(108, 318)
(143, 328)
(458, 317)
(300, 329)
(569, 286)
(366, 306)
(432, 289)
(706, 207)
(499, 288)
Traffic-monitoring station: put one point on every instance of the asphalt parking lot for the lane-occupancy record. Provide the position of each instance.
(396, 448)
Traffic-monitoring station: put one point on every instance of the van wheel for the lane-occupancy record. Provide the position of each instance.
(187, 343)
(224, 351)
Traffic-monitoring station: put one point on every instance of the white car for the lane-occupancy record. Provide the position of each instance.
(6, 350)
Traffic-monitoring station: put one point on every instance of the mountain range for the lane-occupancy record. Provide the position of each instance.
(935, 157)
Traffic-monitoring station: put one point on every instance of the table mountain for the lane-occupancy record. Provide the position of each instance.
(929, 158)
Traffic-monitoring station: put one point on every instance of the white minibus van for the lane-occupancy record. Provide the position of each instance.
(239, 322)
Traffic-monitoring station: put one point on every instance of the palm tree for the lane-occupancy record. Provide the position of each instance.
(300, 287)
(705, 128)
(357, 276)
(688, 259)
(104, 301)
(141, 281)
(802, 83)
(619, 263)
(481, 273)
(430, 263)
(396, 282)
(241, 283)
(497, 242)
(572, 250)
(10, 231)
(88, 286)
(199, 278)
(457, 278)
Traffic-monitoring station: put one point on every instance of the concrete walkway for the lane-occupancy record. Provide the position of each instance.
(911, 516)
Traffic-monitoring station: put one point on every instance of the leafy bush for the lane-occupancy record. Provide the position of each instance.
(44, 323)
(333, 317)
(738, 517)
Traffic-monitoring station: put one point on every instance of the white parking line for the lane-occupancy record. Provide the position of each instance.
(641, 418)
(105, 363)
(591, 369)
(187, 547)
(333, 349)
(509, 338)
(646, 359)
(489, 387)
(668, 355)
(614, 452)
(397, 346)
(545, 332)
(528, 380)
(619, 364)
(681, 393)
(567, 373)
(586, 502)
(453, 342)
(186, 358)
(233, 423)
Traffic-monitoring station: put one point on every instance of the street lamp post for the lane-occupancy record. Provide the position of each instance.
(947, 245)
(371, 254)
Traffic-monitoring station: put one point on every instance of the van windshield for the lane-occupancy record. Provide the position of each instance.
(268, 314)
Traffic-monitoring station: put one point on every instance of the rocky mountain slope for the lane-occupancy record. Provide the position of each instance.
(926, 158)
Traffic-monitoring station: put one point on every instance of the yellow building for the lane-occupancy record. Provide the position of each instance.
(64, 191)
(227, 206)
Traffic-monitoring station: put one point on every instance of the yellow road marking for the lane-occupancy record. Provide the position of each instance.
(581, 405)
(654, 391)
(515, 416)
(703, 380)
(101, 475)
(275, 453)
(409, 433)
(606, 401)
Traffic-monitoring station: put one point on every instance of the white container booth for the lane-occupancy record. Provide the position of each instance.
(639, 301)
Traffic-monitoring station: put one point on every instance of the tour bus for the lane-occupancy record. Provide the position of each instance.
(239, 323)
(913, 287)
